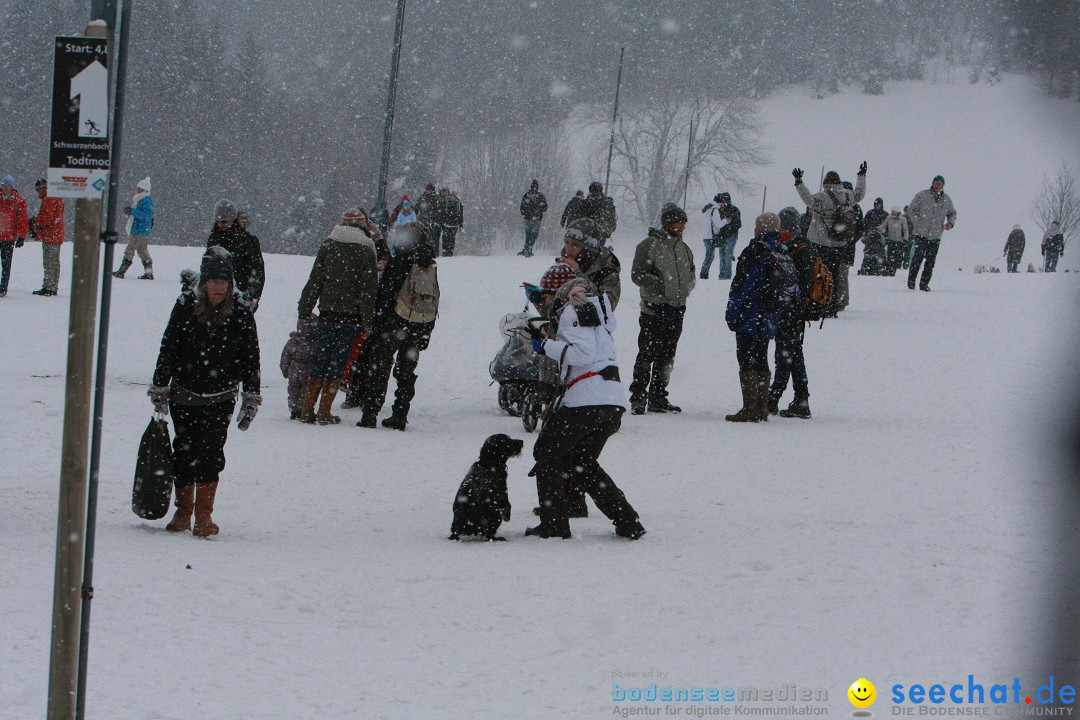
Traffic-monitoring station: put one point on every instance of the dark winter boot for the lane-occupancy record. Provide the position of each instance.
(204, 505)
(311, 396)
(575, 504)
(761, 395)
(774, 403)
(396, 421)
(185, 505)
(663, 406)
(148, 271)
(746, 413)
(799, 408)
(637, 405)
(368, 420)
(630, 531)
(124, 265)
(326, 404)
(549, 531)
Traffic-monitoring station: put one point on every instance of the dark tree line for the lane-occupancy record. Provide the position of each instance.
(278, 104)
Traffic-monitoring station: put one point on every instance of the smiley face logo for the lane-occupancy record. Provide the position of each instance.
(862, 693)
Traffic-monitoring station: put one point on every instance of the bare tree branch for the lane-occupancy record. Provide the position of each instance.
(1059, 201)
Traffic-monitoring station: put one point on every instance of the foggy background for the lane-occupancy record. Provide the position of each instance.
(278, 104)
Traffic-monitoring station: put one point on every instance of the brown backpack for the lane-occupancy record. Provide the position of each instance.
(418, 298)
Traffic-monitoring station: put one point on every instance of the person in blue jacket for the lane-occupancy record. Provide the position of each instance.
(139, 226)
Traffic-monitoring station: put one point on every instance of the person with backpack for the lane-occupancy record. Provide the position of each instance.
(1053, 246)
(722, 224)
(1014, 249)
(600, 208)
(664, 270)
(789, 358)
(834, 222)
(765, 286)
(574, 209)
(533, 207)
(580, 337)
(405, 312)
(932, 212)
(344, 280)
(140, 225)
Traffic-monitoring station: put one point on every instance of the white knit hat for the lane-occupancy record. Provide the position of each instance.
(143, 184)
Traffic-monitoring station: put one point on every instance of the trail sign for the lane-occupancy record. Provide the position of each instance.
(79, 143)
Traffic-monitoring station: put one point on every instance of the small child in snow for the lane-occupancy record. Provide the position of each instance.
(299, 354)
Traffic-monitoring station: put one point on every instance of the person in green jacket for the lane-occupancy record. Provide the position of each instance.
(344, 280)
(664, 270)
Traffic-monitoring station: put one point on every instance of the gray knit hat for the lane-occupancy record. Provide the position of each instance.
(225, 210)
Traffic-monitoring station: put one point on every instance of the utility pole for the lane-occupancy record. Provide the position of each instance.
(121, 24)
(689, 152)
(71, 524)
(614, 116)
(388, 124)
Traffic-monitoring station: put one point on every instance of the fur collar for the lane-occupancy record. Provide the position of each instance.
(352, 235)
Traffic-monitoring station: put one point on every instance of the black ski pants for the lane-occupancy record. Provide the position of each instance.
(567, 455)
(789, 358)
(199, 441)
(395, 347)
(752, 352)
(925, 249)
(658, 340)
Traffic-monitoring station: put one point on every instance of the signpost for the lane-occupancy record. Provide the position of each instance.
(79, 144)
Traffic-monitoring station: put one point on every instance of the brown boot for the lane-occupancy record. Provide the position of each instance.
(327, 403)
(311, 396)
(185, 505)
(204, 505)
(747, 413)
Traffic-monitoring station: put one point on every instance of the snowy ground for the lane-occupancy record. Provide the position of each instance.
(900, 535)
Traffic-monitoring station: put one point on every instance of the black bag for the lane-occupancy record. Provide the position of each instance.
(153, 472)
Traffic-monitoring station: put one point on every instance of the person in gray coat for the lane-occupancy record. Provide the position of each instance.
(825, 205)
(931, 212)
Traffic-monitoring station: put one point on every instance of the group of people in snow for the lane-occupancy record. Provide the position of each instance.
(596, 206)
(440, 215)
(1052, 248)
(46, 226)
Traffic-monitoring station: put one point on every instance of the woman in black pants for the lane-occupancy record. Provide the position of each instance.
(210, 347)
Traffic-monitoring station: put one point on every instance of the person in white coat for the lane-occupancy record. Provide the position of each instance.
(587, 412)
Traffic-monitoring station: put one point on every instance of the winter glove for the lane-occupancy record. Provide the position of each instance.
(797, 173)
(159, 395)
(538, 346)
(19, 242)
(862, 168)
(127, 209)
(249, 407)
(33, 228)
(533, 294)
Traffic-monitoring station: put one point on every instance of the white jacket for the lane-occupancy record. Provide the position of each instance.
(580, 350)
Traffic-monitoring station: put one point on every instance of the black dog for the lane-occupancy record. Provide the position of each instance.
(481, 503)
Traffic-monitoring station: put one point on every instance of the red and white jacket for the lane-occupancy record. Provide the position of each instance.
(14, 223)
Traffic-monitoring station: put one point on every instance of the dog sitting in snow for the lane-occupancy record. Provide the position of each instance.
(481, 503)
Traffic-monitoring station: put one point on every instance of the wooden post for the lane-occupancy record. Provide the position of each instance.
(71, 524)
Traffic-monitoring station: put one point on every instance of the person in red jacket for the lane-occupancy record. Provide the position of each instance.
(14, 227)
(48, 227)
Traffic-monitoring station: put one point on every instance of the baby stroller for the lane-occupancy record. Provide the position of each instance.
(520, 371)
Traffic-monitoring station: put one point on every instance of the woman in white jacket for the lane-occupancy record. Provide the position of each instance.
(587, 412)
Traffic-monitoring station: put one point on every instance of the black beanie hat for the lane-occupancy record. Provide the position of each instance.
(936, 178)
(831, 178)
(595, 186)
(216, 265)
(672, 213)
(789, 218)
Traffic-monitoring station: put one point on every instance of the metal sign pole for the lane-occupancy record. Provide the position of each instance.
(121, 20)
(614, 116)
(388, 125)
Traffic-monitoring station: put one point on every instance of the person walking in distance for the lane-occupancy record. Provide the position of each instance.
(931, 213)
(722, 223)
(533, 207)
(47, 227)
(140, 225)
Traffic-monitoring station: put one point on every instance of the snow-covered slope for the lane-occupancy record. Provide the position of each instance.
(900, 535)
